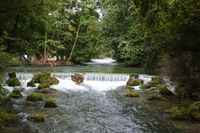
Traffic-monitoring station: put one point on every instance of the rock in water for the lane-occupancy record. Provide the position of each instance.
(77, 78)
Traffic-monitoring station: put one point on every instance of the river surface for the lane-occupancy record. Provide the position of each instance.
(96, 106)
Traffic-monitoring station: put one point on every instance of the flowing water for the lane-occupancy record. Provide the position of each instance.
(96, 106)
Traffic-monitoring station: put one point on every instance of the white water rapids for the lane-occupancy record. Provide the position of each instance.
(99, 82)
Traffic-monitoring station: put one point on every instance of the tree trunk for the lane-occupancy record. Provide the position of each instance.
(75, 41)
(45, 49)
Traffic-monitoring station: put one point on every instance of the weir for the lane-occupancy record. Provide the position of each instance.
(87, 76)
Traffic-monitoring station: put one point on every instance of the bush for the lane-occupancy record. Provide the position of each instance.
(16, 94)
(195, 110)
(164, 90)
(13, 82)
(36, 117)
(34, 97)
(130, 93)
(179, 113)
(50, 103)
(8, 118)
(152, 97)
(31, 84)
(43, 86)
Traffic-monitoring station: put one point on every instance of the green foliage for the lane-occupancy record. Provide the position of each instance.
(50, 103)
(36, 117)
(34, 97)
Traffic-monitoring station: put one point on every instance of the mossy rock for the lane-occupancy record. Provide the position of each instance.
(130, 93)
(31, 84)
(145, 86)
(8, 118)
(50, 103)
(4, 100)
(152, 97)
(53, 81)
(29, 103)
(16, 94)
(13, 82)
(158, 79)
(41, 77)
(164, 90)
(179, 113)
(36, 117)
(43, 86)
(195, 110)
(34, 97)
(133, 82)
(12, 75)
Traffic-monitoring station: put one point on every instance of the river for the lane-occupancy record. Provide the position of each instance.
(96, 106)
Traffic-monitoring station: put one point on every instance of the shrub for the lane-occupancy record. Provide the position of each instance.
(36, 117)
(34, 97)
(50, 103)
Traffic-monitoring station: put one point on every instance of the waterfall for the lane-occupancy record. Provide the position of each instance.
(92, 81)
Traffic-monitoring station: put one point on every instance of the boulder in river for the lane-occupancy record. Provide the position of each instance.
(133, 80)
(13, 81)
(77, 78)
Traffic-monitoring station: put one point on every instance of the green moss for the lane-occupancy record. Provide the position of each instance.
(133, 82)
(164, 90)
(34, 97)
(16, 94)
(43, 86)
(152, 97)
(50, 103)
(41, 77)
(195, 110)
(8, 118)
(36, 117)
(145, 86)
(179, 113)
(153, 83)
(53, 81)
(12, 75)
(4, 100)
(130, 93)
(31, 84)
(13, 82)
(157, 79)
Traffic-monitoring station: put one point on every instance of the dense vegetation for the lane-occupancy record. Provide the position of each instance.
(152, 34)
